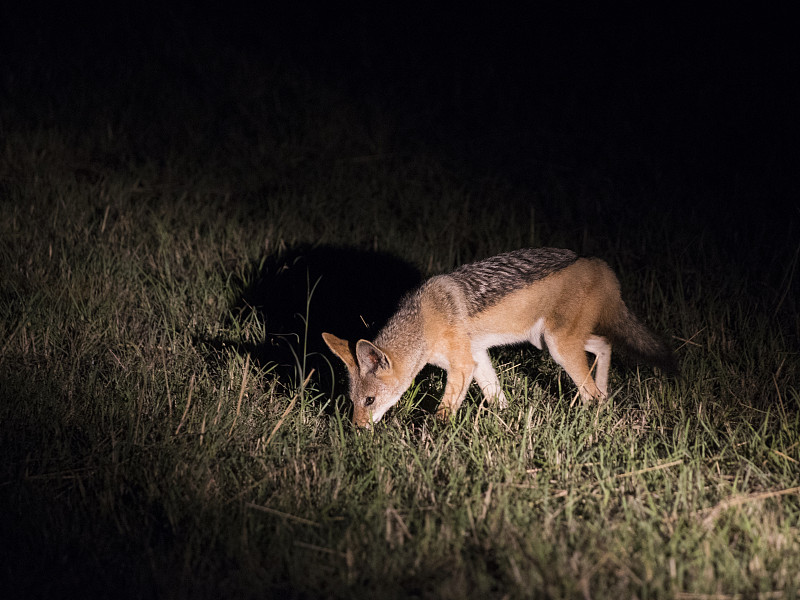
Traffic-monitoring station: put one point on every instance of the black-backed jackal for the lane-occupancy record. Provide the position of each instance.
(545, 296)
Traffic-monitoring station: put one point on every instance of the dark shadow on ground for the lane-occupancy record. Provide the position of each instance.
(308, 290)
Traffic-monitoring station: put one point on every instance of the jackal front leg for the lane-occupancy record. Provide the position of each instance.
(486, 377)
(459, 376)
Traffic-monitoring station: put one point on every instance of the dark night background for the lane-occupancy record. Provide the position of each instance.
(699, 97)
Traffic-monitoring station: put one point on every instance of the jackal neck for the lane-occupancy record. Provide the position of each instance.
(402, 337)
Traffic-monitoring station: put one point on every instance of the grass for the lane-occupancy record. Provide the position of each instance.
(140, 459)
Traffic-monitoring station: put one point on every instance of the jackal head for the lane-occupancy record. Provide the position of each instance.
(374, 385)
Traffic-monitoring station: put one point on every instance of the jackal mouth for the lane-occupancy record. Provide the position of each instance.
(362, 418)
(365, 417)
(363, 423)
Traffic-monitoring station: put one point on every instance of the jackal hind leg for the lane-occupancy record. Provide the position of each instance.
(459, 376)
(487, 380)
(571, 355)
(601, 348)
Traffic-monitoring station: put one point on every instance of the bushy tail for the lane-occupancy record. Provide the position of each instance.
(634, 339)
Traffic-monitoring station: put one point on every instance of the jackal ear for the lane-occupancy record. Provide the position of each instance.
(341, 348)
(371, 358)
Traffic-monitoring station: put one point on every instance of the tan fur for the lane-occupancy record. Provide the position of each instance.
(567, 310)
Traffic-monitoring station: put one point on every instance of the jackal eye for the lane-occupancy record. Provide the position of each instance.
(369, 400)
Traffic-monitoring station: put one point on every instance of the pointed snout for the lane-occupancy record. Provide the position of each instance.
(362, 417)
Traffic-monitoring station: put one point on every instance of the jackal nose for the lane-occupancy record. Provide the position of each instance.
(362, 420)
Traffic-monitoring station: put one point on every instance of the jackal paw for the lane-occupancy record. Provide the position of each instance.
(502, 401)
(444, 413)
(590, 397)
